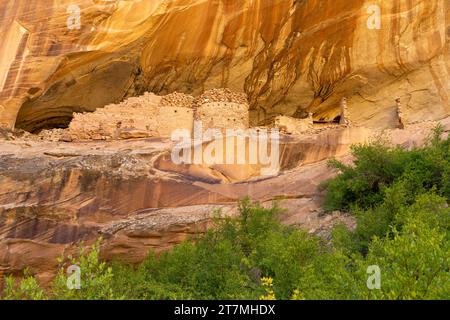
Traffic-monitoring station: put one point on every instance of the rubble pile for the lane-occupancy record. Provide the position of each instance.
(221, 95)
(52, 134)
(177, 99)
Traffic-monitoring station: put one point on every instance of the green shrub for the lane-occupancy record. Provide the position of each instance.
(373, 222)
(415, 263)
(377, 166)
(96, 277)
(26, 289)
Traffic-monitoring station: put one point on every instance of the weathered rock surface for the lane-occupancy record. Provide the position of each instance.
(289, 56)
(54, 195)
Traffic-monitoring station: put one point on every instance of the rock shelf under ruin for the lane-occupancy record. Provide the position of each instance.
(55, 193)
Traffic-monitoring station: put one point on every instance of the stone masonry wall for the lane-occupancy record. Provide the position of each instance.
(223, 115)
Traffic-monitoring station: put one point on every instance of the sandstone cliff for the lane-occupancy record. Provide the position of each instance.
(289, 56)
(54, 195)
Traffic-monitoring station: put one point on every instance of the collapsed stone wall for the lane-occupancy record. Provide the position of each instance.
(138, 113)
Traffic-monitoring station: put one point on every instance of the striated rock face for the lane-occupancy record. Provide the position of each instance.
(54, 195)
(289, 56)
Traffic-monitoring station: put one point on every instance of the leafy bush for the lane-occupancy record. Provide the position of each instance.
(96, 277)
(415, 258)
(26, 289)
(375, 221)
(377, 166)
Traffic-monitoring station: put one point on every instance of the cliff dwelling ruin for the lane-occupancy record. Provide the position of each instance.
(150, 115)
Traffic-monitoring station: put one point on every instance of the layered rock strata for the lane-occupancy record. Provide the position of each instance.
(54, 195)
